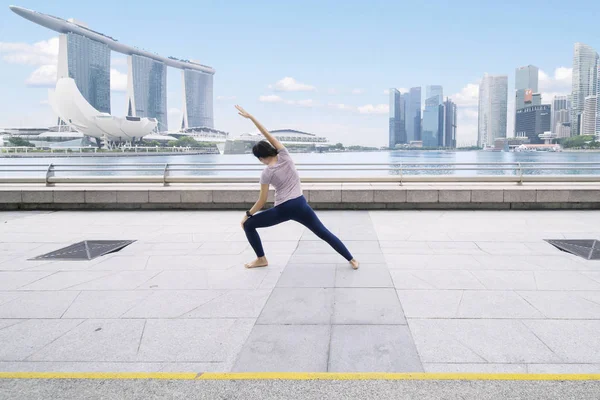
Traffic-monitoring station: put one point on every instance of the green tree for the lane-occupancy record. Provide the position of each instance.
(185, 141)
(20, 142)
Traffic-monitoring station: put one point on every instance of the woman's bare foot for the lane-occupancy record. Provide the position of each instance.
(259, 262)
(354, 263)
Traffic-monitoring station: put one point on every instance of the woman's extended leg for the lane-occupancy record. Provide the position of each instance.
(263, 219)
(307, 217)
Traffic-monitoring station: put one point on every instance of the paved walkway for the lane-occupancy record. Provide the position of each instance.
(456, 291)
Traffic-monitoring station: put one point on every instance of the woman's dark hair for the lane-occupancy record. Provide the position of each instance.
(263, 149)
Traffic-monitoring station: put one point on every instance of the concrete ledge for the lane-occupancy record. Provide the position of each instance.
(368, 197)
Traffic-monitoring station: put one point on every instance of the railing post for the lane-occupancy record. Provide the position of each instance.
(520, 174)
(165, 172)
(48, 174)
(401, 175)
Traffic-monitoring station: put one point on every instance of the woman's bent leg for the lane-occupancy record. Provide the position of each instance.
(307, 217)
(264, 219)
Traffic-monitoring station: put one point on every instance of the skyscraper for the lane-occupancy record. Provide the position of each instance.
(197, 99)
(526, 78)
(413, 114)
(588, 117)
(560, 113)
(87, 61)
(147, 89)
(395, 113)
(585, 82)
(449, 124)
(433, 117)
(493, 93)
(532, 122)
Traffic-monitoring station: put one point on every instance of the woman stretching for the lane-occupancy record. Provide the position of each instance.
(290, 204)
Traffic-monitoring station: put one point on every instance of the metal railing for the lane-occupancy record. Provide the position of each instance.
(172, 173)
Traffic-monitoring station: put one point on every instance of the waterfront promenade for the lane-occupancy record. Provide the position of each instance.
(437, 292)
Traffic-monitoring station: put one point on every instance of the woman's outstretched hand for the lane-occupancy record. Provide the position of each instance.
(243, 112)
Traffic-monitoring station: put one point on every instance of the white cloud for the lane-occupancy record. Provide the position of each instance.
(357, 91)
(374, 109)
(117, 60)
(40, 53)
(340, 106)
(331, 91)
(386, 92)
(559, 84)
(118, 81)
(272, 98)
(226, 98)
(307, 103)
(289, 84)
(468, 96)
(44, 76)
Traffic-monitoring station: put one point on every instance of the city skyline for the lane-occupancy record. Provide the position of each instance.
(344, 100)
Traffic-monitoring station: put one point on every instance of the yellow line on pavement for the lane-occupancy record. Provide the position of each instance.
(297, 376)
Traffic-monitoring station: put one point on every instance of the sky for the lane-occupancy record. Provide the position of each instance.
(318, 66)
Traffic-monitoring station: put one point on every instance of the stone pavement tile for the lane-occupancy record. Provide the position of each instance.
(542, 248)
(169, 303)
(233, 304)
(430, 261)
(38, 305)
(565, 305)
(595, 275)
(563, 368)
(564, 280)
(504, 248)
(21, 340)
(286, 247)
(318, 276)
(495, 304)
(364, 277)
(171, 280)
(283, 348)
(455, 248)
(482, 368)
(104, 304)
(19, 264)
(15, 279)
(334, 258)
(271, 279)
(5, 323)
(477, 341)
(320, 247)
(65, 280)
(219, 248)
(298, 306)
(121, 263)
(194, 340)
(176, 263)
(196, 367)
(444, 279)
(70, 366)
(404, 279)
(241, 278)
(574, 341)
(373, 348)
(202, 237)
(430, 303)
(109, 340)
(6, 296)
(367, 306)
(429, 235)
(126, 280)
(505, 263)
(506, 280)
(559, 262)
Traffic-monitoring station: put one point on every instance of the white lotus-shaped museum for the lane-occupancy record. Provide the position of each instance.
(70, 105)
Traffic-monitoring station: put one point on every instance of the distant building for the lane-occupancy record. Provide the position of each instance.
(493, 96)
(585, 82)
(532, 122)
(561, 113)
(397, 128)
(432, 132)
(506, 144)
(588, 118)
(147, 89)
(449, 124)
(413, 114)
(526, 83)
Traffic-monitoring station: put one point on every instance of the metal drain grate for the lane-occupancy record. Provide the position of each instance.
(584, 248)
(86, 250)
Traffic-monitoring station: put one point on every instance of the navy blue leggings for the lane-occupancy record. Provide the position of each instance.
(296, 210)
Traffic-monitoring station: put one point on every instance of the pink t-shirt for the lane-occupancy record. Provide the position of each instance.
(284, 178)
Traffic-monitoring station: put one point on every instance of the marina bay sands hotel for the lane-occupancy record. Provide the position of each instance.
(84, 55)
